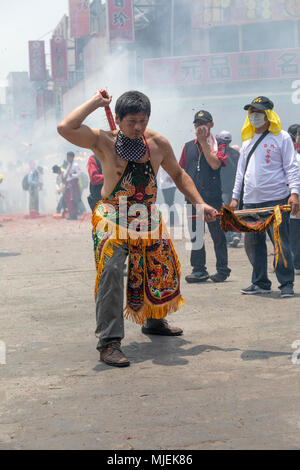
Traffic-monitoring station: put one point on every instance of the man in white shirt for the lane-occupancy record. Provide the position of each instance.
(60, 188)
(263, 183)
(34, 187)
(72, 192)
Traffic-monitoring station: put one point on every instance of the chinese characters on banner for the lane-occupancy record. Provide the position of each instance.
(210, 13)
(198, 70)
(120, 20)
(37, 63)
(79, 18)
(59, 63)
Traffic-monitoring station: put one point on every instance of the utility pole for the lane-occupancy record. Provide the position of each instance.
(172, 28)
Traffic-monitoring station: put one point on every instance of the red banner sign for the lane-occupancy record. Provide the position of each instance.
(210, 13)
(59, 61)
(120, 20)
(79, 18)
(198, 70)
(37, 63)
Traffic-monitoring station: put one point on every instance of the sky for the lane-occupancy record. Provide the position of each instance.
(22, 21)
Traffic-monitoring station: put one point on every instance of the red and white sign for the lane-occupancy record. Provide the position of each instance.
(37, 63)
(212, 13)
(120, 20)
(214, 68)
(59, 61)
(79, 18)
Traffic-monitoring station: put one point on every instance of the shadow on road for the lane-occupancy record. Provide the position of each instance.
(262, 355)
(6, 253)
(276, 295)
(164, 351)
(173, 352)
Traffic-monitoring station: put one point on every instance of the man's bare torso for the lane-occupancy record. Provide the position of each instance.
(113, 165)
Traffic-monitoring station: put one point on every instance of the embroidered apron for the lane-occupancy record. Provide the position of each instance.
(153, 282)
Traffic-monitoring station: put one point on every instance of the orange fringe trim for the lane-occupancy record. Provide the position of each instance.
(123, 236)
(228, 216)
(152, 311)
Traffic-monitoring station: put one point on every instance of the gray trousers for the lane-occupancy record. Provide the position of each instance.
(110, 298)
(34, 199)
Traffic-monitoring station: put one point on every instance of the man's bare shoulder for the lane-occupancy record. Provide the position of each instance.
(104, 138)
(157, 139)
(102, 134)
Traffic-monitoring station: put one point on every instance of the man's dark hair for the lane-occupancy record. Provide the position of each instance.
(71, 154)
(293, 130)
(56, 169)
(132, 102)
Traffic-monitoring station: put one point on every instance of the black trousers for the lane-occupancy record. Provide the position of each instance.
(169, 196)
(198, 257)
(295, 241)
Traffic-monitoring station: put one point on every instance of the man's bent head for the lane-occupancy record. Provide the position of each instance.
(203, 118)
(257, 111)
(133, 110)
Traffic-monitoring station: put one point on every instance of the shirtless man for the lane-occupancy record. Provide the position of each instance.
(130, 153)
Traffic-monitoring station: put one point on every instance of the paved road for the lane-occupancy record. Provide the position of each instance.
(228, 383)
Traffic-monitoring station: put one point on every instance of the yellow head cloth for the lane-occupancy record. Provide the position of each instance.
(248, 130)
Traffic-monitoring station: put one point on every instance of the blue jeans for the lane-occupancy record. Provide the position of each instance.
(295, 241)
(229, 236)
(256, 249)
(227, 197)
(169, 196)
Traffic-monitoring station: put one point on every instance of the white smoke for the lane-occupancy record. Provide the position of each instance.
(172, 111)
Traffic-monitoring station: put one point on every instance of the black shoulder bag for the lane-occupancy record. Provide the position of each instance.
(247, 163)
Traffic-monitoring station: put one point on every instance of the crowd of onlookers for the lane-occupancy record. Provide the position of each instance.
(33, 187)
(62, 185)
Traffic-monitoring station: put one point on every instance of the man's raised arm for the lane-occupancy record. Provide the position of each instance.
(71, 127)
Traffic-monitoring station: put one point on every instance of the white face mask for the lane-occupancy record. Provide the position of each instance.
(257, 120)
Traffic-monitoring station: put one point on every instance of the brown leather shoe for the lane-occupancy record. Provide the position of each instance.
(113, 356)
(160, 327)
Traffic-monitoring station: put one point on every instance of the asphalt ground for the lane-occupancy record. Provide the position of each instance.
(232, 381)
